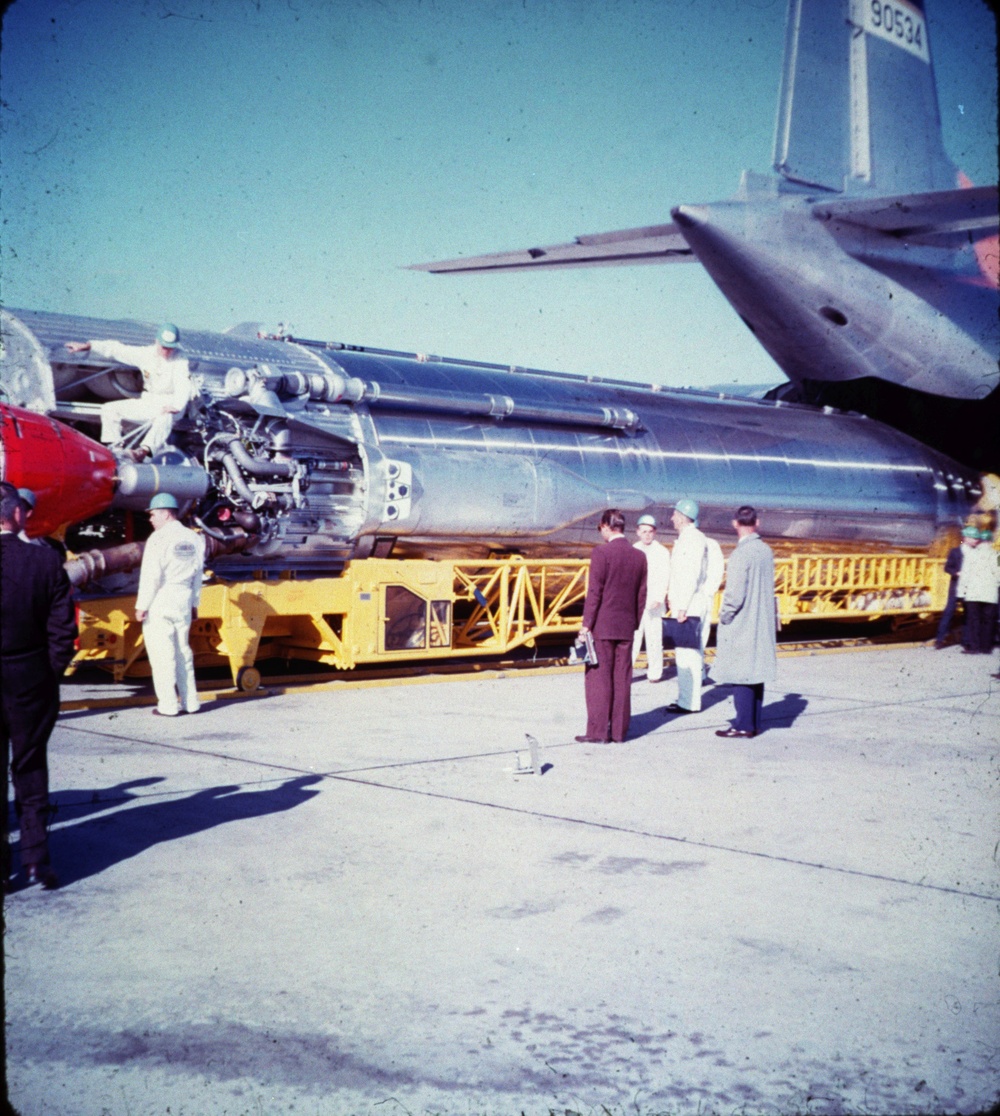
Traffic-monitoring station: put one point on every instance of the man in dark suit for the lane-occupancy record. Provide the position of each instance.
(952, 567)
(37, 630)
(616, 596)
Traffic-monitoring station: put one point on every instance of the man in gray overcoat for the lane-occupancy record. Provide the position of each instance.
(746, 656)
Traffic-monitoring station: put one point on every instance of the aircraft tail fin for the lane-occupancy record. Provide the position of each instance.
(858, 109)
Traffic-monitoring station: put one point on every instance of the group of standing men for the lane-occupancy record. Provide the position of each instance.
(38, 617)
(645, 592)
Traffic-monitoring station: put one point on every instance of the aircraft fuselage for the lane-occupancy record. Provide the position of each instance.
(833, 301)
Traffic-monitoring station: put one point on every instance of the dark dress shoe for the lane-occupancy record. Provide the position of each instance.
(41, 874)
(730, 733)
(674, 708)
(591, 740)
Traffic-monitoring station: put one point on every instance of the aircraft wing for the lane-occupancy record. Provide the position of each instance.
(913, 216)
(651, 244)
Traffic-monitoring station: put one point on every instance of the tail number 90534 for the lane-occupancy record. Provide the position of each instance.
(899, 23)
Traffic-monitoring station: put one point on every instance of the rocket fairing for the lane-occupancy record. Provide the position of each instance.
(319, 452)
(72, 476)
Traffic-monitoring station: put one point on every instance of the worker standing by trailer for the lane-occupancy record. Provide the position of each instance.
(715, 572)
(686, 599)
(978, 583)
(657, 578)
(168, 598)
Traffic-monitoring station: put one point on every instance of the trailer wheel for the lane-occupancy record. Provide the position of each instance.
(247, 679)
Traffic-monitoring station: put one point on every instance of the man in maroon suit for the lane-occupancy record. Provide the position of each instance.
(616, 596)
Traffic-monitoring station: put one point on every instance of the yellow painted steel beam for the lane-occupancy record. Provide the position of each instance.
(384, 610)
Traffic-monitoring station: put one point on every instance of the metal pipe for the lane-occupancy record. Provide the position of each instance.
(498, 406)
(96, 563)
(83, 568)
(254, 465)
(232, 543)
(211, 532)
(239, 483)
(229, 539)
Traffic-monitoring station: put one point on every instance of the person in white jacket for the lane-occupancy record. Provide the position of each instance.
(686, 599)
(166, 389)
(657, 579)
(978, 583)
(714, 575)
(168, 598)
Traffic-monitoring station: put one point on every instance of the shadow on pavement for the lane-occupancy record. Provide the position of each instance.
(653, 719)
(89, 847)
(79, 803)
(113, 712)
(782, 714)
(779, 714)
(76, 804)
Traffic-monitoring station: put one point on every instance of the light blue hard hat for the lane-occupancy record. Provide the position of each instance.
(169, 336)
(688, 507)
(646, 521)
(27, 497)
(970, 532)
(163, 500)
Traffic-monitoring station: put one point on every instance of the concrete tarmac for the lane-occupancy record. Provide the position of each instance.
(346, 902)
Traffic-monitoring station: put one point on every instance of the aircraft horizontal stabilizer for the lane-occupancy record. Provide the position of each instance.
(908, 216)
(651, 244)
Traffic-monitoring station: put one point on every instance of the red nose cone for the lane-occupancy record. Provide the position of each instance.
(71, 476)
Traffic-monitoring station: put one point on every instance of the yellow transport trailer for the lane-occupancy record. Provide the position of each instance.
(381, 610)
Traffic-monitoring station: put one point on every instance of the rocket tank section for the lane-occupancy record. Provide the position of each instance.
(320, 452)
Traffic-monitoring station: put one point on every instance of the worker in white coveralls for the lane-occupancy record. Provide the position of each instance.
(687, 603)
(657, 577)
(166, 389)
(714, 575)
(169, 593)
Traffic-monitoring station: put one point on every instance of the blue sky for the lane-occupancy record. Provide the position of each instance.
(217, 161)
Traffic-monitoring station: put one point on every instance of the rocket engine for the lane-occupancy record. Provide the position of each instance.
(297, 454)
